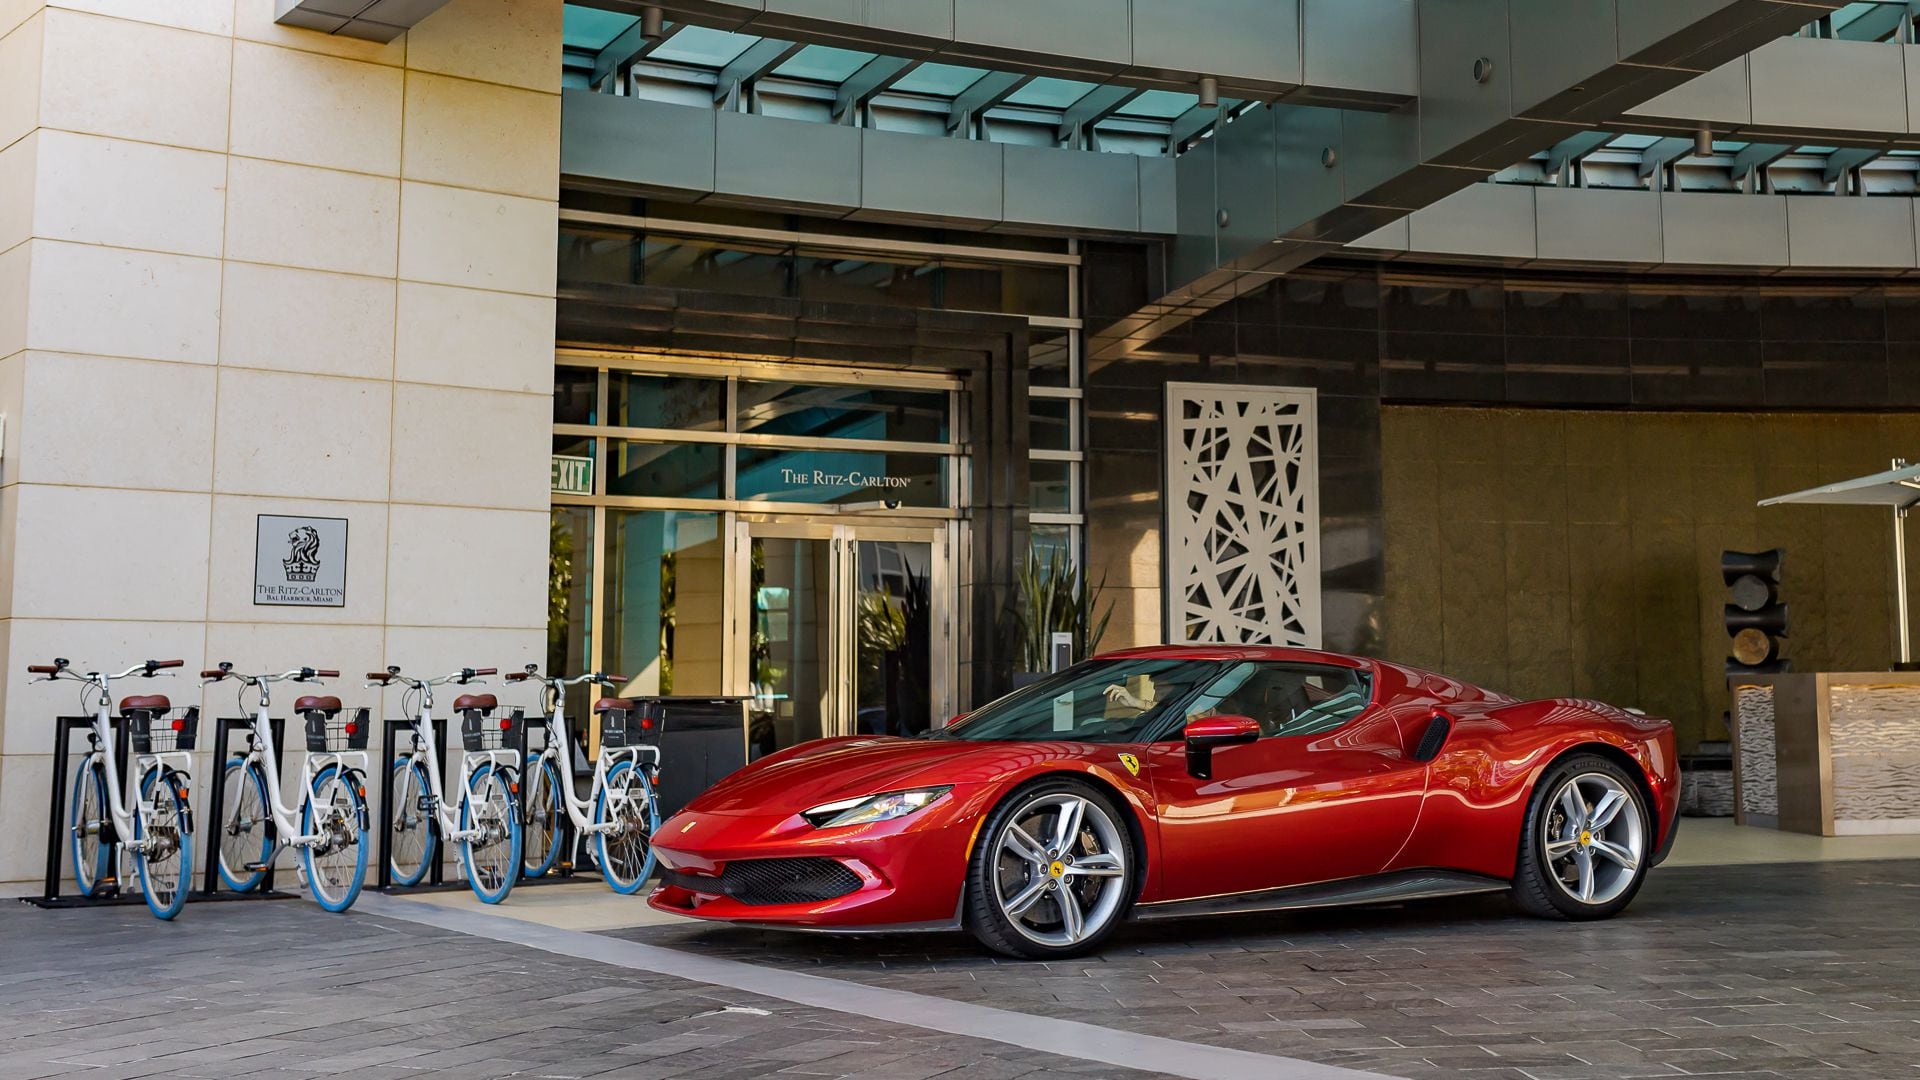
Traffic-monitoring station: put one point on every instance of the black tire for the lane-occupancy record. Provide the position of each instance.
(1537, 886)
(982, 911)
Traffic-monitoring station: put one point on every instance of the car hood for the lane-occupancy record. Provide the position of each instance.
(826, 770)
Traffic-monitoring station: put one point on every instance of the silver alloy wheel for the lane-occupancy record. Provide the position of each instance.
(1060, 869)
(1595, 839)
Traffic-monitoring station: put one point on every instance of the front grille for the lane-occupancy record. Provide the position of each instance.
(772, 881)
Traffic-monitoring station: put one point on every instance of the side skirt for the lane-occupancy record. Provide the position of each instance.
(1375, 889)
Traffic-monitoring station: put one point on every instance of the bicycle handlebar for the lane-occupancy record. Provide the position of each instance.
(463, 676)
(61, 666)
(299, 674)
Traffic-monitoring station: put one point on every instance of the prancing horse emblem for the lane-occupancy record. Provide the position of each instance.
(1132, 763)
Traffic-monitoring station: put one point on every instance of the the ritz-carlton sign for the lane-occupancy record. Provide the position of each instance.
(853, 479)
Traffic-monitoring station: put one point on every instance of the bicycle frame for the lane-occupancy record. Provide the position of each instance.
(121, 792)
(426, 752)
(559, 749)
(262, 753)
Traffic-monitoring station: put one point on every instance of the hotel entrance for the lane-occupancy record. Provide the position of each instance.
(843, 631)
(781, 533)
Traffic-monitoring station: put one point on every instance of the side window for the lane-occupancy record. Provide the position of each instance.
(1287, 699)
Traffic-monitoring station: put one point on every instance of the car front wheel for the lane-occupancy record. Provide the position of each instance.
(1053, 873)
(1587, 842)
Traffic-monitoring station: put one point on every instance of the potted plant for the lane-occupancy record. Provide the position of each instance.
(1056, 597)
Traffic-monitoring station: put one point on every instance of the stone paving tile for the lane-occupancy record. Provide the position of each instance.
(283, 991)
(1795, 971)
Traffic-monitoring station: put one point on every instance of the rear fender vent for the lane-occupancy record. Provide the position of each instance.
(1434, 738)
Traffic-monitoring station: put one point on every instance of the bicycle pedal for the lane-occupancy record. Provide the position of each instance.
(254, 867)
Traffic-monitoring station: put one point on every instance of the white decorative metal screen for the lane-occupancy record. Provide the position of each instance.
(1243, 515)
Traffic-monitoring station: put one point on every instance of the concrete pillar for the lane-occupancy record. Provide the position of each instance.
(247, 269)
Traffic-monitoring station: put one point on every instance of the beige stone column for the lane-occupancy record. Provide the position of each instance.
(246, 269)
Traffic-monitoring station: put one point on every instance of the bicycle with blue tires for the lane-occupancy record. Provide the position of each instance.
(484, 826)
(149, 815)
(620, 813)
(329, 829)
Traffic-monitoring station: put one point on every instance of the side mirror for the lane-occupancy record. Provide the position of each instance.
(1209, 733)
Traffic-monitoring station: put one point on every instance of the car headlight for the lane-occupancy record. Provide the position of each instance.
(870, 808)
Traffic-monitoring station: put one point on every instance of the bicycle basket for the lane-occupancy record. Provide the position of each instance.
(333, 730)
(161, 731)
(622, 728)
(479, 731)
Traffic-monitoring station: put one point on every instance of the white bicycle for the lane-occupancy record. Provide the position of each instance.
(330, 828)
(619, 814)
(486, 828)
(149, 815)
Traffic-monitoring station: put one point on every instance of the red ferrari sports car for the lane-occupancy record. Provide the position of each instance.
(1172, 781)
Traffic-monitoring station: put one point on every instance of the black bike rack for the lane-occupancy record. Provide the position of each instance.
(563, 837)
(112, 895)
(389, 753)
(216, 803)
(109, 894)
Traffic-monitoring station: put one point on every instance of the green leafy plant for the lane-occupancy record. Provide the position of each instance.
(1056, 597)
(559, 588)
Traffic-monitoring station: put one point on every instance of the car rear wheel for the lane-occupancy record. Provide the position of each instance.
(1587, 842)
(1053, 873)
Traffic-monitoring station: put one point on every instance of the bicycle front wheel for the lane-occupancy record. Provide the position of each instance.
(164, 849)
(335, 807)
(414, 843)
(492, 860)
(626, 850)
(243, 833)
(86, 822)
(541, 791)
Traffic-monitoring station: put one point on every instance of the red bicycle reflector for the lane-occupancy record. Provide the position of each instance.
(646, 723)
(353, 729)
(179, 725)
(506, 724)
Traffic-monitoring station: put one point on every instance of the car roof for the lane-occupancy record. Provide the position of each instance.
(1240, 652)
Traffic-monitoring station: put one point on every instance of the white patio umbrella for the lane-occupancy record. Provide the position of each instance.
(1897, 488)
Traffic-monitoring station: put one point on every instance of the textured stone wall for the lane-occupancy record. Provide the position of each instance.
(1548, 552)
(248, 269)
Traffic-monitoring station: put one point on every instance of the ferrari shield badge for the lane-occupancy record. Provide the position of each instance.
(1132, 763)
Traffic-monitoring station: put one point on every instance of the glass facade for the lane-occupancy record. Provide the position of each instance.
(664, 620)
(786, 531)
(757, 253)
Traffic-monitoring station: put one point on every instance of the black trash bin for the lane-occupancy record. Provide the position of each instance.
(702, 739)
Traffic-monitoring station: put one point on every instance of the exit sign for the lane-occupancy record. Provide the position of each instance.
(572, 475)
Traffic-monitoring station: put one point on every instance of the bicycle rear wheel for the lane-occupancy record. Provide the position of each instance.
(492, 860)
(334, 805)
(243, 833)
(165, 853)
(414, 844)
(541, 790)
(626, 852)
(86, 822)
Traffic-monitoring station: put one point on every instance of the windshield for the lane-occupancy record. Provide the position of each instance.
(1106, 701)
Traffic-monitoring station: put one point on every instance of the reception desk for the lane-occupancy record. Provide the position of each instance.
(1827, 753)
